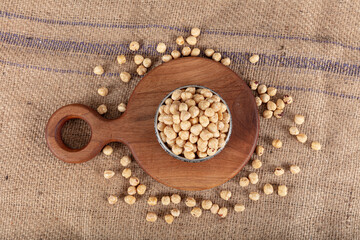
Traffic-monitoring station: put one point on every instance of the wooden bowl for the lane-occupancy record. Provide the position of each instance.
(135, 127)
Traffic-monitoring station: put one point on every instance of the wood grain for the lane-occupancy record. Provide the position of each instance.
(135, 127)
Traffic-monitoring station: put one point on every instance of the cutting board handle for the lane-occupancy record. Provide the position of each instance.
(99, 127)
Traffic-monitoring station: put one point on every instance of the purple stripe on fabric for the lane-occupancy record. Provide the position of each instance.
(166, 27)
(71, 71)
(237, 57)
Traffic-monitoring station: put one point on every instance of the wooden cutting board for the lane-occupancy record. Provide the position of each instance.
(135, 127)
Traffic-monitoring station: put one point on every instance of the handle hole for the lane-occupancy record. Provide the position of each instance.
(76, 133)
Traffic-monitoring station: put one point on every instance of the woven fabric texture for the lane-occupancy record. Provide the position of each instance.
(308, 49)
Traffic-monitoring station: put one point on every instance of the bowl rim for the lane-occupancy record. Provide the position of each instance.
(165, 147)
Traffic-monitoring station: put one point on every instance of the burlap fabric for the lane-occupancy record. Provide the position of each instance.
(308, 49)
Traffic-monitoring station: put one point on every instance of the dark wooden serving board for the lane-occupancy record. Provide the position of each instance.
(135, 127)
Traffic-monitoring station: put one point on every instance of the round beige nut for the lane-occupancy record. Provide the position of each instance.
(125, 77)
(282, 190)
(190, 102)
(214, 209)
(223, 212)
(175, 212)
(278, 113)
(176, 95)
(195, 32)
(183, 107)
(204, 121)
(190, 202)
(226, 61)
(294, 169)
(294, 131)
(267, 114)
(102, 109)
(103, 91)
(134, 181)
(166, 58)
(253, 85)
(316, 145)
(209, 112)
(196, 129)
(254, 58)
(165, 200)
(206, 135)
(180, 40)
(184, 135)
(213, 143)
(140, 189)
(147, 62)
(107, 150)
(196, 212)
(141, 70)
(195, 52)
(161, 47)
(138, 59)
(151, 217)
(194, 111)
(301, 137)
(108, 174)
(121, 59)
(271, 106)
(169, 218)
(191, 40)
(170, 133)
(287, 99)
(209, 52)
(186, 51)
(125, 161)
(279, 171)
(299, 119)
(268, 189)
(280, 104)
(206, 204)
(175, 198)
(225, 194)
(122, 107)
(256, 164)
(262, 89)
(152, 201)
(175, 54)
(277, 143)
(99, 70)
(258, 101)
(201, 154)
(186, 96)
(216, 56)
(134, 46)
(259, 150)
(255, 196)
(254, 178)
(239, 207)
(265, 98)
(244, 182)
(189, 155)
(131, 190)
(184, 116)
(112, 199)
(126, 173)
(271, 91)
(177, 150)
(212, 127)
(130, 199)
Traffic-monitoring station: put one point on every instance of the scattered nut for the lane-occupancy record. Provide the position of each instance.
(214, 209)
(223, 212)
(225, 194)
(138, 59)
(254, 178)
(267, 114)
(108, 174)
(268, 189)
(134, 181)
(126, 173)
(175, 212)
(151, 217)
(141, 70)
(121, 59)
(299, 119)
(195, 52)
(244, 182)
(122, 107)
(134, 46)
(175, 54)
(175, 198)
(99, 70)
(190, 202)
(161, 47)
(102, 109)
(262, 89)
(280, 104)
(255, 196)
(271, 106)
(294, 169)
(279, 171)
(271, 91)
(287, 99)
(239, 207)
(169, 218)
(186, 51)
(166, 58)
(277, 143)
(253, 85)
(107, 150)
(254, 58)
(256, 164)
(180, 40)
(152, 201)
(282, 190)
(147, 62)
(206, 204)
(216, 56)
(130, 199)
(294, 131)
(316, 145)
(131, 190)
(165, 200)
(196, 212)
(226, 61)
(209, 52)
(103, 91)
(125, 161)
(301, 137)
(140, 189)
(191, 40)
(264, 98)
(125, 77)
(259, 150)
(278, 113)
(195, 32)
(258, 101)
(112, 199)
